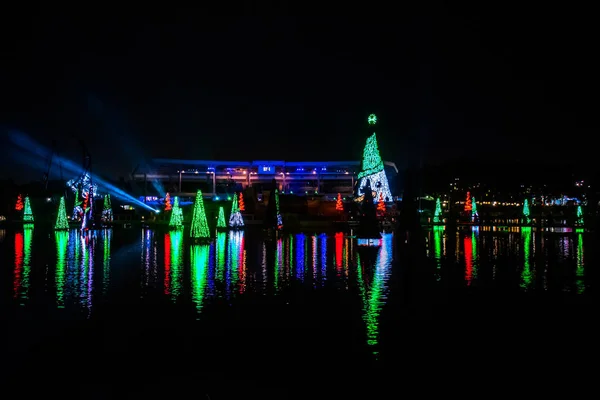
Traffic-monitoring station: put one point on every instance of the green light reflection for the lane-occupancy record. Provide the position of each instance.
(176, 267)
(106, 241)
(374, 297)
(579, 272)
(199, 255)
(62, 241)
(526, 274)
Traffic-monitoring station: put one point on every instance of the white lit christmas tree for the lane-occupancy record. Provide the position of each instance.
(372, 169)
(235, 218)
(107, 215)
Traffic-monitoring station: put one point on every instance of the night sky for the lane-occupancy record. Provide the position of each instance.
(499, 85)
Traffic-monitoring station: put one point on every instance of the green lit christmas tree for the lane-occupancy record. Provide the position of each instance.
(372, 169)
(236, 220)
(27, 213)
(61, 218)
(579, 215)
(474, 214)
(437, 215)
(526, 210)
(176, 221)
(199, 229)
(221, 220)
(107, 214)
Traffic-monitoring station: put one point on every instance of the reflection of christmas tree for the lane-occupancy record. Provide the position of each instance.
(339, 205)
(27, 213)
(107, 215)
(176, 220)
(526, 210)
(61, 218)
(468, 205)
(168, 202)
(372, 169)
(221, 220)
(380, 206)
(235, 218)
(241, 204)
(199, 229)
(437, 215)
(19, 205)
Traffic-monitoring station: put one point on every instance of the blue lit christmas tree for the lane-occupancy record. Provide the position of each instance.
(372, 169)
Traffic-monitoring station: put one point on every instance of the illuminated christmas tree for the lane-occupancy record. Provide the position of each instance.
(199, 228)
(176, 220)
(107, 214)
(221, 220)
(526, 210)
(241, 204)
(235, 218)
(77, 210)
(339, 205)
(468, 204)
(61, 218)
(27, 213)
(279, 218)
(579, 215)
(437, 215)
(474, 213)
(372, 169)
(168, 202)
(19, 205)
(380, 206)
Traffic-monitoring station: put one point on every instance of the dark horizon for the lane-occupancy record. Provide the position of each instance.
(480, 86)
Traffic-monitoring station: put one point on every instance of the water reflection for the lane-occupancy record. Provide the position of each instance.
(374, 295)
(526, 274)
(149, 258)
(580, 265)
(106, 242)
(23, 241)
(199, 256)
(2, 235)
(173, 260)
(62, 241)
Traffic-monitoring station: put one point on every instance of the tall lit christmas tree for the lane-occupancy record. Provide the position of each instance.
(526, 210)
(474, 214)
(61, 217)
(241, 204)
(437, 215)
(199, 229)
(235, 218)
(19, 205)
(468, 204)
(221, 220)
(579, 215)
(278, 211)
(77, 210)
(107, 214)
(380, 206)
(168, 206)
(27, 213)
(372, 168)
(176, 221)
(339, 205)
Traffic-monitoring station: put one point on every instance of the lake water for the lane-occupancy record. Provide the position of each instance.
(138, 300)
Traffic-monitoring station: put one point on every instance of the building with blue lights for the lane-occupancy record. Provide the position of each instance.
(222, 177)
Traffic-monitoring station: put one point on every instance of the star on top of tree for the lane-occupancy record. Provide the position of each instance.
(372, 119)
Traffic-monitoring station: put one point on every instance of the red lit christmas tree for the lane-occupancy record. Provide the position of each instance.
(19, 205)
(380, 206)
(168, 206)
(339, 206)
(86, 202)
(241, 205)
(468, 205)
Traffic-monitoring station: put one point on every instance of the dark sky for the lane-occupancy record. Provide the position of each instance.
(497, 84)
